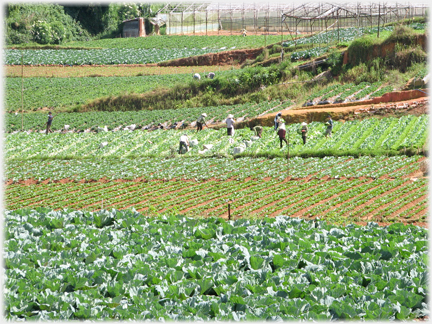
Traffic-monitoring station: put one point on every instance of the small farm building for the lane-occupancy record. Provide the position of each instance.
(134, 27)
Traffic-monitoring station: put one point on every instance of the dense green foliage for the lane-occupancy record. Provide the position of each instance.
(360, 49)
(57, 24)
(74, 265)
(41, 23)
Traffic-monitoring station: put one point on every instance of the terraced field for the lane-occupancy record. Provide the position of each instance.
(104, 220)
(142, 170)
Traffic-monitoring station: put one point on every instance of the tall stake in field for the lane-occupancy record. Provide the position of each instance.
(288, 153)
(22, 91)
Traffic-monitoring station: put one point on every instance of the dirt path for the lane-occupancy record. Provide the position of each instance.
(392, 104)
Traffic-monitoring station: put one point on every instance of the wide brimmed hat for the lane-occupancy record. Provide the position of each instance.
(230, 116)
(204, 114)
(304, 124)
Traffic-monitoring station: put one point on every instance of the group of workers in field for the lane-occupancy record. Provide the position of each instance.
(279, 127)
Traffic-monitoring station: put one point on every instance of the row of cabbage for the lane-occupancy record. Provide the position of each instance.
(333, 200)
(105, 56)
(205, 42)
(74, 265)
(200, 169)
(143, 118)
(369, 136)
(338, 93)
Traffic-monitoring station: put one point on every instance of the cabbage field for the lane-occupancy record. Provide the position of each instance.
(42, 92)
(369, 136)
(105, 220)
(223, 42)
(201, 169)
(78, 265)
(143, 118)
(99, 56)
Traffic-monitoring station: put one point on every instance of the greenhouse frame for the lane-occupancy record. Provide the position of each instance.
(272, 18)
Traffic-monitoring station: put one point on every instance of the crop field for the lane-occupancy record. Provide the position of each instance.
(361, 199)
(90, 121)
(79, 265)
(201, 169)
(63, 92)
(99, 56)
(105, 220)
(222, 42)
(370, 136)
(137, 169)
(50, 92)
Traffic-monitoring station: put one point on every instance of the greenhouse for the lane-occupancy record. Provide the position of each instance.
(274, 18)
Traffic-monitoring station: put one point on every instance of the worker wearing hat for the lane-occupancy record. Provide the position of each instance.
(230, 125)
(304, 130)
(201, 120)
(282, 132)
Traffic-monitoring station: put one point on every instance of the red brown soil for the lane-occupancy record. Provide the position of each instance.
(385, 106)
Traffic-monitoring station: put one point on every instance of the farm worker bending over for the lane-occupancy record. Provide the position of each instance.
(244, 32)
(282, 132)
(211, 75)
(276, 121)
(230, 125)
(196, 76)
(50, 119)
(201, 121)
(184, 143)
(257, 130)
(304, 131)
(329, 124)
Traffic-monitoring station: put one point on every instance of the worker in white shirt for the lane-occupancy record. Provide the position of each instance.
(184, 144)
(230, 125)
